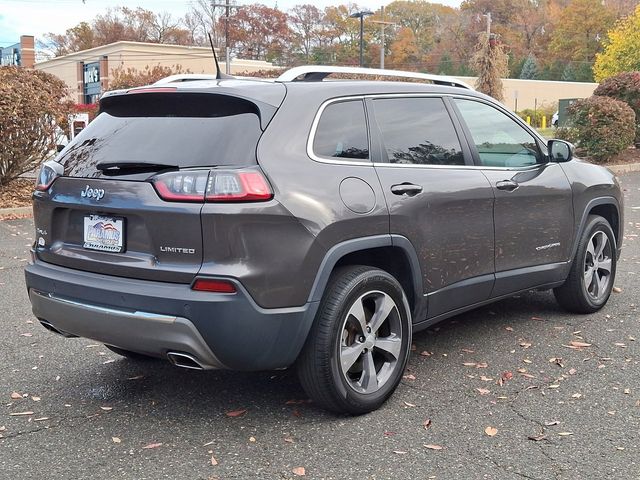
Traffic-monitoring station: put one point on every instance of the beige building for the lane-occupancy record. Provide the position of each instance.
(522, 94)
(87, 73)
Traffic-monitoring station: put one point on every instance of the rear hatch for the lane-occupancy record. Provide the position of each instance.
(106, 212)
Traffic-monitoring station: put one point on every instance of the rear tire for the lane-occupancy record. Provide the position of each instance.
(358, 347)
(593, 271)
(130, 355)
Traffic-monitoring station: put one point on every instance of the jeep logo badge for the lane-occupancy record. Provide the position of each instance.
(96, 193)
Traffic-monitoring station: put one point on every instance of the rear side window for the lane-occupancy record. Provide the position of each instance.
(342, 132)
(181, 129)
(417, 131)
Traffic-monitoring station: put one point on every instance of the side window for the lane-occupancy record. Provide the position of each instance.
(500, 141)
(417, 131)
(342, 132)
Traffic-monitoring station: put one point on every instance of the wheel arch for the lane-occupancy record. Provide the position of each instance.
(607, 207)
(392, 253)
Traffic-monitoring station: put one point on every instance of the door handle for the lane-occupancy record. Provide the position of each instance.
(508, 185)
(408, 189)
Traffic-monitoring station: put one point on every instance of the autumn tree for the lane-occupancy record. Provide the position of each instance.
(32, 106)
(491, 64)
(259, 32)
(622, 49)
(305, 22)
(578, 33)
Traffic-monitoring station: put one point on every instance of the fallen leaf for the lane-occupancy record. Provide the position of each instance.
(486, 379)
(491, 431)
(627, 391)
(409, 377)
(426, 354)
(18, 414)
(481, 365)
(236, 413)
(617, 289)
(299, 471)
(152, 445)
(252, 439)
(409, 404)
(288, 440)
(469, 364)
(399, 452)
(16, 396)
(565, 434)
(466, 350)
(526, 360)
(483, 391)
(214, 462)
(116, 440)
(106, 409)
(576, 395)
(572, 371)
(108, 361)
(434, 447)
(137, 377)
(427, 423)
(508, 329)
(26, 334)
(525, 345)
(41, 419)
(575, 343)
(537, 318)
(36, 399)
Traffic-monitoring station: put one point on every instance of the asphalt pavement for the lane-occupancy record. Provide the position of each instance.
(518, 389)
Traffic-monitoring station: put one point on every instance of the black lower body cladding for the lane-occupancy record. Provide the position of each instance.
(153, 318)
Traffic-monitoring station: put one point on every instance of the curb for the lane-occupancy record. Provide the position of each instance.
(624, 168)
(16, 211)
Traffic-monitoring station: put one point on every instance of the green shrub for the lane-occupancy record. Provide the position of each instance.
(626, 88)
(536, 115)
(602, 126)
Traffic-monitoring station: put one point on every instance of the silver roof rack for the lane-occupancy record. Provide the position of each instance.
(185, 77)
(317, 73)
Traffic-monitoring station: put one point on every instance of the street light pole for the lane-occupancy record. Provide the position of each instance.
(227, 6)
(361, 14)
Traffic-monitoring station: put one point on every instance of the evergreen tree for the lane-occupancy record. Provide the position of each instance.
(568, 74)
(529, 68)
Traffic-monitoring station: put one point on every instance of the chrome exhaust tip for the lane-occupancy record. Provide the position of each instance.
(184, 360)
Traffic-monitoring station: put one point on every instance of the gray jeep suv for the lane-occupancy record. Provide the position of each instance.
(252, 225)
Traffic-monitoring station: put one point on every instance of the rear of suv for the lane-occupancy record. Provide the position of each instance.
(254, 225)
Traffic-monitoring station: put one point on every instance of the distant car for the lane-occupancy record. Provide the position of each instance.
(252, 225)
(554, 119)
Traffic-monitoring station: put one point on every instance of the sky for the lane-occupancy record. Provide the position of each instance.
(37, 17)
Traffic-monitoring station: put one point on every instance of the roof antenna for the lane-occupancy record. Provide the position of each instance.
(219, 74)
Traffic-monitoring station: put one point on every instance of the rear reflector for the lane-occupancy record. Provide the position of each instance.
(213, 285)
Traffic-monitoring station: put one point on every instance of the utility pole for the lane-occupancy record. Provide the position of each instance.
(227, 6)
(488, 15)
(383, 25)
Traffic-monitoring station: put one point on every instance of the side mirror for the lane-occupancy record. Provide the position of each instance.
(560, 151)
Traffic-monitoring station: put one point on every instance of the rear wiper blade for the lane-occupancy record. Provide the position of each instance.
(115, 167)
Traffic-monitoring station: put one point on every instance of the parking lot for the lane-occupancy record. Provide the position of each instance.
(518, 389)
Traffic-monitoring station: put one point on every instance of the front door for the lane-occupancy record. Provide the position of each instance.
(533, 208)
(436, 198)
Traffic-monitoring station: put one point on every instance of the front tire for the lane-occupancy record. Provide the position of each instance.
(359, 344)
(593, 271)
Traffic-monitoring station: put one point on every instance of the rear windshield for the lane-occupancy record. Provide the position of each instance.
(180, 129)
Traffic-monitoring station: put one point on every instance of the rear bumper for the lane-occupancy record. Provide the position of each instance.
(154, 318)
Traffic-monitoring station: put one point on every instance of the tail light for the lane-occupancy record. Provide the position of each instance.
(215, 185)
(49, 171)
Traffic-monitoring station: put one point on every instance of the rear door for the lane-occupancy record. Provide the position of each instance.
(104, 214)
(533, 206)
(436, 199)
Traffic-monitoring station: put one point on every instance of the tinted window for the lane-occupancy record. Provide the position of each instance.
(342, 132)
(186, 130)
(501, 142)
(418, 130)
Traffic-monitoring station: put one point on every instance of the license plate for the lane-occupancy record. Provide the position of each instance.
(104, 233)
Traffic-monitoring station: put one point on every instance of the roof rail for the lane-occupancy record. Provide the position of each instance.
(185, 77)
(317, 73)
